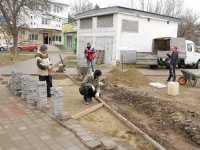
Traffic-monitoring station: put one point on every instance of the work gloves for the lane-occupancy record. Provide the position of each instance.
(97, 95)
(93, 88)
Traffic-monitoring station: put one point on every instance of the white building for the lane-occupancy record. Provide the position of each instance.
(45, 27)
(118, 29)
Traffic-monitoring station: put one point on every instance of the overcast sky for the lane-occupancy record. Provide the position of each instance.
(195, 4)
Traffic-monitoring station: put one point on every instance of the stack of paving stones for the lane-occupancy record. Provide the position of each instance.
(31, 93)
(41, 92)
(24, 85)
(89, 138)
(15, 81)
(57, 96)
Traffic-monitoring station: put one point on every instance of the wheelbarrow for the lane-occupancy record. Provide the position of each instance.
(83, 71)
(189, 75)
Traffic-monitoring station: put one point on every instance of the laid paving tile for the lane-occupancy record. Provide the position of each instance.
(26, 147)
(39, 144)
(61, 139)
(74, 148)
(67, 144)
(56, 147)
(50, 142)
(22, 142)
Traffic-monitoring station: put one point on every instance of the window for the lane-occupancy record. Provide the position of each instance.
(189, 47)
(57, 9)
(32, 37)
(45, 21)
(86, 23)
(130, 26)
(105, 21)
(57, 38)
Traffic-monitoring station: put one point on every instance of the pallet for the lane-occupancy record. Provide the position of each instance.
(99, 54)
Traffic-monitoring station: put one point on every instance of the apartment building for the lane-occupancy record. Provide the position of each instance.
(45, 27)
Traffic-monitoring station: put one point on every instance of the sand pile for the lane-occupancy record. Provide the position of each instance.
(129, 78)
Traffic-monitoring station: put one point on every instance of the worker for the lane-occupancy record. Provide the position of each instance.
(173, 62)
(45, 67)
(89, 55)
(90, 86)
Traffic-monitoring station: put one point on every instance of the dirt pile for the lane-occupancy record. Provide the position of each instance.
(164, 115)
(129, 78)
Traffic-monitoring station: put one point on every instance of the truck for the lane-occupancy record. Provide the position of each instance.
(189, 54)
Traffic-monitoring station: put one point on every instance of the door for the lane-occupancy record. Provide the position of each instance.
(189, 54)
(45, 38)
(108, 50)
(106, 44)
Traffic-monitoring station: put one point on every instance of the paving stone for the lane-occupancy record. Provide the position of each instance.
(56, 147)
(50, 142)
(93, 144)
(67, 144)
(74, 148)
(86, 139)
(81, 133)
(108, 144)
(61, 139)
(38, 144)
(79, 129)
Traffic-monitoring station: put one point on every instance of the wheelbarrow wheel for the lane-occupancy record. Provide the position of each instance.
(182, 80)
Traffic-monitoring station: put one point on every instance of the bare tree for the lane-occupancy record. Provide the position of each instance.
(164, 7)
(79, 6)
(13, 12)
(189, 27)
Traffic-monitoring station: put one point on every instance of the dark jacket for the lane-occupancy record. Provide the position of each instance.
(173, 58)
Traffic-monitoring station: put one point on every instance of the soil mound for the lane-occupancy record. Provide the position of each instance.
(129, 78)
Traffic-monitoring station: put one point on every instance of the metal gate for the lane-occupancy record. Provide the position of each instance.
(105, 43)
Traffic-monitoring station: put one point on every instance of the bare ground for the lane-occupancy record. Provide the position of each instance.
(173, 122)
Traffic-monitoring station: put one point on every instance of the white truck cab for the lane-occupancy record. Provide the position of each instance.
(188, 54)
(192, 55)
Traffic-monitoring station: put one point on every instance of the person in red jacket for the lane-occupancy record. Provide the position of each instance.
(89, 55)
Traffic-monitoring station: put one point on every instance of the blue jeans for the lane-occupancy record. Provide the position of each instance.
(90, 62)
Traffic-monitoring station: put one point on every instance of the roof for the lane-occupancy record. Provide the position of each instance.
(119, 9)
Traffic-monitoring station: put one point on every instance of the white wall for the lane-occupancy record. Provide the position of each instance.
(97, 32)
(142, 41)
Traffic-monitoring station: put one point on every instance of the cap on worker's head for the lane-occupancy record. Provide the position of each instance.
(43, 47)
(97, 72)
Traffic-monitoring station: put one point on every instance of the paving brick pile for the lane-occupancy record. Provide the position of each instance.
(31, 94)
(15, 81)
(24, 85)
(57, 96)
(41, 92)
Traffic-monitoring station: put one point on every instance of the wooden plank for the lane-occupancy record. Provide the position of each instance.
(87, 111)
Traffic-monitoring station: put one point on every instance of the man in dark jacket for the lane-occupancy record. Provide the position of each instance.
(173, 62)
(90, 86)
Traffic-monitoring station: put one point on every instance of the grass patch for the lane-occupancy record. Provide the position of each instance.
(5, 58)
(70, 62)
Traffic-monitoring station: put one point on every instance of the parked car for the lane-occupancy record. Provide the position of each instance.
(31, 47)
(4, 47)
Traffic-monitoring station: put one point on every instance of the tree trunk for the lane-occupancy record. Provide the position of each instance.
(15, 43)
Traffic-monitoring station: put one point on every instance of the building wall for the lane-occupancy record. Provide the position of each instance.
(95, 33)
(140, 41)
(147, 31)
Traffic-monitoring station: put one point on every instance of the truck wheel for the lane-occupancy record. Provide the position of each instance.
(198, 65)
(182, 80)
(153, 66)
(179, 66)
(167, 66)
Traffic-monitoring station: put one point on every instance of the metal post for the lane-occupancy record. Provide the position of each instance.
(122, 62)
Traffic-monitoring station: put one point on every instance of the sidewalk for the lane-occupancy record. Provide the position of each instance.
(24, 127)
(29, 66)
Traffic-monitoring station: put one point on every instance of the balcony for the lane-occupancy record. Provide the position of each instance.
(46, 26)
